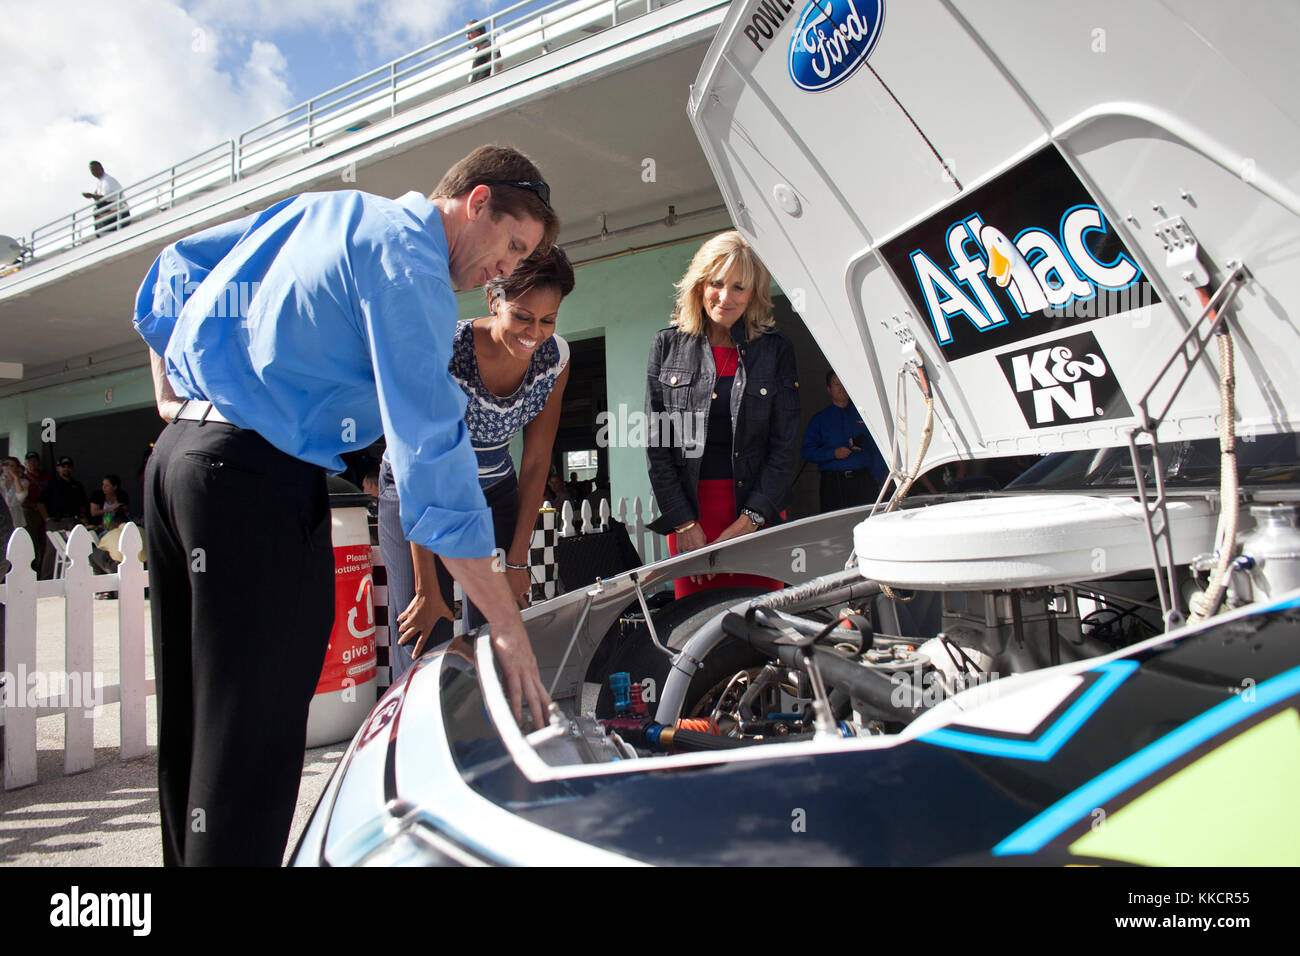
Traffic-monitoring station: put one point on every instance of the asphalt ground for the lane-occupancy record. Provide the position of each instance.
(108, 815)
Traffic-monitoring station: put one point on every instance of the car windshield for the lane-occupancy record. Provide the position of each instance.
(1261, 460)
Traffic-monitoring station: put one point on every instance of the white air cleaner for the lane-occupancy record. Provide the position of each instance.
(1022, 541)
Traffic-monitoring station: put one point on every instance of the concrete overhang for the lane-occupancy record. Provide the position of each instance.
(604, 118)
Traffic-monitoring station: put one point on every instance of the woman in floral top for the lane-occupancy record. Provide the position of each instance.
(513, 368)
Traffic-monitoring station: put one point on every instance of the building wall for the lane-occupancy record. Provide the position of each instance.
(32, 420)
(626, 299)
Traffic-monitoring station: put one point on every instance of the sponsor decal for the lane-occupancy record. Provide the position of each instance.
(1064, 382)
(765, 20)
(1026, 254)
(831, 41)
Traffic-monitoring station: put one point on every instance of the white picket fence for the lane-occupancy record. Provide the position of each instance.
(20, 706)
(66, 692)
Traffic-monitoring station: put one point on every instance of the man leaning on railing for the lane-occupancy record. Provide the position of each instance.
(111, 212)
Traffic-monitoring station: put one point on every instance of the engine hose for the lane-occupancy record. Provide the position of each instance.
(895, 701)
(818, 589)
(923, 382)
(926, 434)
(1207, 604)
(841, 703)
(676, 739)
(703, 725)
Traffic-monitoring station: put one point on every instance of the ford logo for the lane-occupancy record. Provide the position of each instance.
(832, 39)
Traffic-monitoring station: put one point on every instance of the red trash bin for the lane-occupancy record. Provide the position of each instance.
(347, 687)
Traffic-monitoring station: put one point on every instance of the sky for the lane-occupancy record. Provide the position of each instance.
(142, 84)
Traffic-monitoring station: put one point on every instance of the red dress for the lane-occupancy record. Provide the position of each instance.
(718, 509)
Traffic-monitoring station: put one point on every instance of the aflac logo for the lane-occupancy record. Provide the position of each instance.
(832, 40)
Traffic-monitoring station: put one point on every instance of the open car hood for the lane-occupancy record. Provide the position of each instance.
(1026, 196)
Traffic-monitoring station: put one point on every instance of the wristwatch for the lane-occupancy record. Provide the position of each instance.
(754, 516)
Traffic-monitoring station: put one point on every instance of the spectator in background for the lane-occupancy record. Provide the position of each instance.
(65, 498)
(370, 488)
(37, 475)
(477, 34)
(836, 440)
(13, 488)
(578, 489)
(6, 530)
(109, 503)
(111, 212)
(37, 479)
(556, 493)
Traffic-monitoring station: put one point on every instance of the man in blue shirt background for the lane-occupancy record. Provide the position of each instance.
(279, 342)
(838, 442)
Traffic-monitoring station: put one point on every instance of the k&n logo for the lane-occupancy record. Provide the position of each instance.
(1063, 382)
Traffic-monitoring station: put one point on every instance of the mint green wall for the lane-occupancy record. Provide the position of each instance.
(21, 415)
(627, 299)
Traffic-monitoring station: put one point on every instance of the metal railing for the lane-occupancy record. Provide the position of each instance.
(516, 35)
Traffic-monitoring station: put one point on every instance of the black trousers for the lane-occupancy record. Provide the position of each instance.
(502, 498)
(241, 584)
(844, 489)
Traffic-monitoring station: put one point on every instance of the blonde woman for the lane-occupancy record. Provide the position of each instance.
(722, 390)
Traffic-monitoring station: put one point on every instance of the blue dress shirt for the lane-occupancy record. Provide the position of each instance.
(321, 323)
(834, 427)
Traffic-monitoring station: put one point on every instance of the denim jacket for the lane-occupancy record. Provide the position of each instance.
(764, 422)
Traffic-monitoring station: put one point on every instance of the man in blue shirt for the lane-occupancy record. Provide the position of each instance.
(279, 342)
(837, 441)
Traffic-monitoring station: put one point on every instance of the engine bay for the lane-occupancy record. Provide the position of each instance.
(843, 657)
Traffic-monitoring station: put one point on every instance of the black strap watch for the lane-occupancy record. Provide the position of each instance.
(754, 516)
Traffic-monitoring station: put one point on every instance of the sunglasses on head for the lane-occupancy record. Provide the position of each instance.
(539, 188)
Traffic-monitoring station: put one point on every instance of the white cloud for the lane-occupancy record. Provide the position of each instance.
(135, 84)
(382, 29)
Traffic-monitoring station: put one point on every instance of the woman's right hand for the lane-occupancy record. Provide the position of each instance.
(691, 539)
(417, 622)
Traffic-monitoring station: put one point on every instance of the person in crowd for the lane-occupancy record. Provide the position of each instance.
(836, 440)
(14, 488)
(370, 488)
(370, 484)
(556, 493)
(479, 40)
(65, 498)
(34, 508)
(111, 211)
(109, 504)
(722, 395)
(349, 337)
(513, 367)
(36, 474)
(7, 529)
(579, 489)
